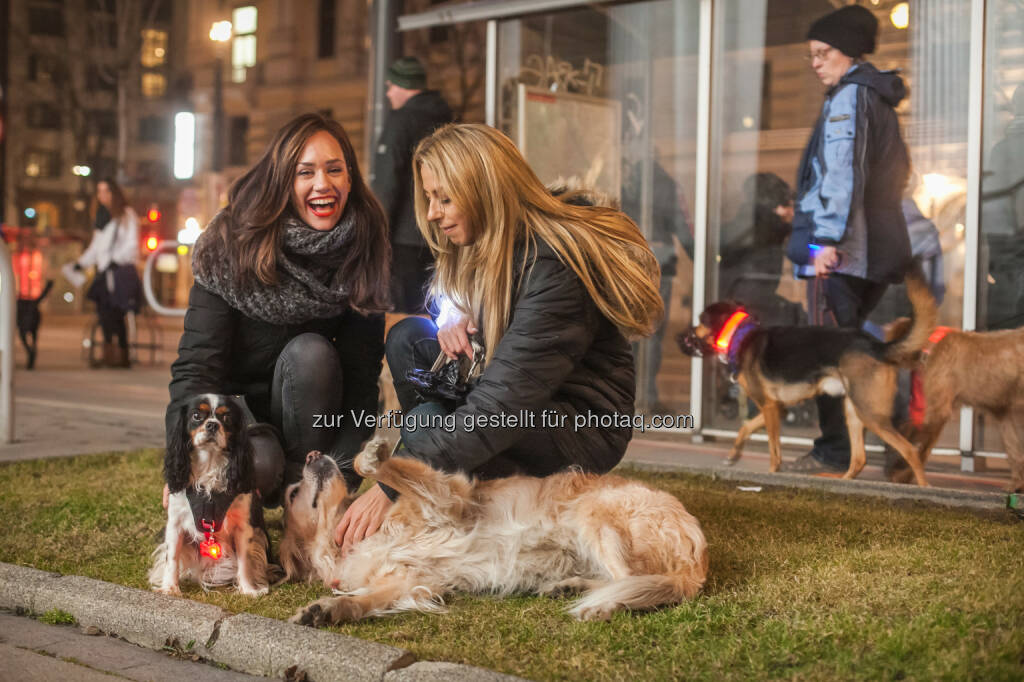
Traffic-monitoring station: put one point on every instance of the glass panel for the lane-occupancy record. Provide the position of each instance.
(154, 47)
(766, 102)
(154, 84)
(243, 52)
(1001, 243)
(243, 20)
(606, 96)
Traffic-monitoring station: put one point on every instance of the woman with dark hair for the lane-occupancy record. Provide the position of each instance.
(287, 307)
(116, 289)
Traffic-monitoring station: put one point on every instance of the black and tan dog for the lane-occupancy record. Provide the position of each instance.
(983, 370)
(780, 366)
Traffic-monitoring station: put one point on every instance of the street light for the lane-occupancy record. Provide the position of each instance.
(220, 34)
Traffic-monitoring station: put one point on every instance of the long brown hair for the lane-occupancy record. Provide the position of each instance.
(117, 200)
(505, 204)
(251, 226)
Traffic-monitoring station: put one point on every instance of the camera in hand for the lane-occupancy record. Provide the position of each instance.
(449, 380)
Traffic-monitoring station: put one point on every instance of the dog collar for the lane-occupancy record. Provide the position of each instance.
(730, 339)
(937, 335)
(209, 511)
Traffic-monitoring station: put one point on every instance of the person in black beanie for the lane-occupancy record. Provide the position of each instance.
(415, 113)
(849, 235)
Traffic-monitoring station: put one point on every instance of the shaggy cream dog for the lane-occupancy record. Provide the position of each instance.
(624, 544)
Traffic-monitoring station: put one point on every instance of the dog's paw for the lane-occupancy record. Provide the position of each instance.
(254, 590)
(169, 590)
(595, 613)
(328, 611)
(565, 588)
(369, 460)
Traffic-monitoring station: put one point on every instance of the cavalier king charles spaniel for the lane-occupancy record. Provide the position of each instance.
(215, 533)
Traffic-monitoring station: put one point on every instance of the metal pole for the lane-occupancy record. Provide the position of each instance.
(975, 121)
(387, 45)
(7, 322)
(218, 114)
(700, 203)
(491, 74)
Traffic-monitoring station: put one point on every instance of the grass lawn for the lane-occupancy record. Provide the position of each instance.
(803, 585)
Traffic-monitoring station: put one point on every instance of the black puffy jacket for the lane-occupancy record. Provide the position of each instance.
(392, 167)
(558, 352)
(225, 351)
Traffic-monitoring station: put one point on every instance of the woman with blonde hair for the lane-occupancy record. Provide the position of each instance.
(553, 288)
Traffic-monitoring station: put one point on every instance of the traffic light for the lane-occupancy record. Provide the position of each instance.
(154, 216)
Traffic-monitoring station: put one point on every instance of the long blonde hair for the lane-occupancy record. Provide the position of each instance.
(505, 203)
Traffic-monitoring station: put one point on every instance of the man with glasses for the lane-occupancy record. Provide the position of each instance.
(849, 234)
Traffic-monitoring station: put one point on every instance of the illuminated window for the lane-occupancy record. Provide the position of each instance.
(243, 45)
(154, 84)
(41, 163)
(154, 47)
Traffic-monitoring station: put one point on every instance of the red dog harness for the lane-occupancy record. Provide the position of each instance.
(917, 403)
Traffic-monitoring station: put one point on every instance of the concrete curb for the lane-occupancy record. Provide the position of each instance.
(244, 642)
(892, 491)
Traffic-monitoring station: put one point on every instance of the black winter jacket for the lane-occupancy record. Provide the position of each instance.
(224, 351)
(874, 240)
(392, 170)
(558, 352)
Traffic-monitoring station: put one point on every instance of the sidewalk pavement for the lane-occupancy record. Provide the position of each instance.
(233, 642)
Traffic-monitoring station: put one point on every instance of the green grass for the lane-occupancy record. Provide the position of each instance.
(803, 585)
(57, 617)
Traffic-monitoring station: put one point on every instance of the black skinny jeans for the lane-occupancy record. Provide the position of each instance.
(412, 343)
(838, 301)
(305, 407)
(112, 323)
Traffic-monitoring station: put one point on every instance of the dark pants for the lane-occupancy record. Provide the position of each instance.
(838, 301)
(112, 323)
(410, 271)
(306, 409)
(649, 368)
(412, 343)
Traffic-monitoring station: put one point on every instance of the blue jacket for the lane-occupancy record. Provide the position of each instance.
(851, 180)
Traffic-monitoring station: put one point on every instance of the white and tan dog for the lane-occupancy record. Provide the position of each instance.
(627, 545)
(215, 533)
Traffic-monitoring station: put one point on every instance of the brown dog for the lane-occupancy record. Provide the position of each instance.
(983, 370)
(780, 366)
(624, 544)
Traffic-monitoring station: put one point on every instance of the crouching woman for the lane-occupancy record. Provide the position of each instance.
(553, 289)
(287, 307)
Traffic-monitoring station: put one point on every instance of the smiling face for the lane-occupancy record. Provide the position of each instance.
(322, 182)
(443, 210)
(829, 64)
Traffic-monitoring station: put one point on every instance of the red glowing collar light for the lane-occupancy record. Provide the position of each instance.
(728, 329)
(209, 547)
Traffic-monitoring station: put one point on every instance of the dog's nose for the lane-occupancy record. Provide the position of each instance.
(211, 426)
(313, 456)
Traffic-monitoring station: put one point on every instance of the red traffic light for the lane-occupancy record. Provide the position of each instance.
(154, 215)
(152, 242)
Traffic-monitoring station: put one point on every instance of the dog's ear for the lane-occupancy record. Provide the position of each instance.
(178, 458)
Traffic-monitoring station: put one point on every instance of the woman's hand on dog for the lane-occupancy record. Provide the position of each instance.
(362, 519)
(454, 337)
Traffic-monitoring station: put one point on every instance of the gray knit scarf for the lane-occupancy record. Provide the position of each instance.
(309, 286)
